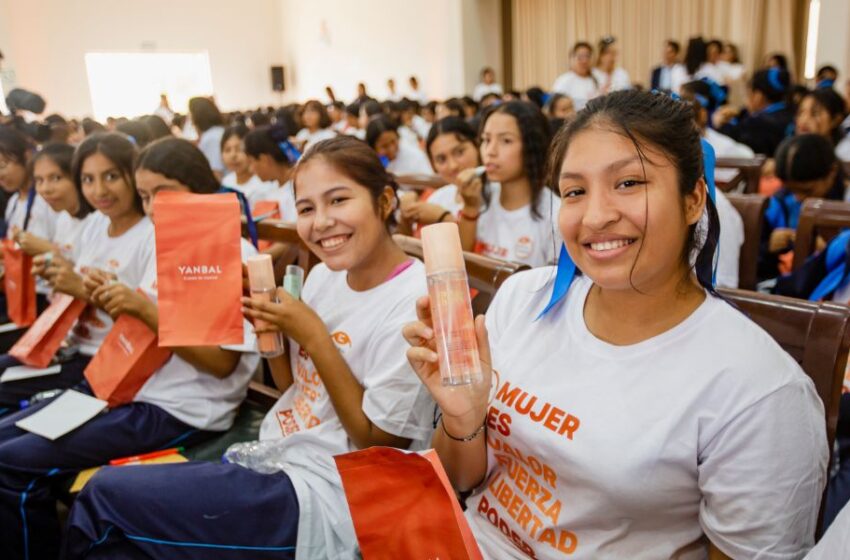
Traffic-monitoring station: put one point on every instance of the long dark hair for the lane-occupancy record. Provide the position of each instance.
(181, 161)
(536, 136)
(205, 114)
(115, 147)
(668, 125)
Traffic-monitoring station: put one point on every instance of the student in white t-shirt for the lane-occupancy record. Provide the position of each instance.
(115, 243)
(15, 177)
(452, 147)
(242, 176)
(510, 214)
(487, 85)
(609, 76)
(317, 125)
(53, 178)
(401, 158)
(579, 83)
(272, 158)
(346, 386)
(209, 123)
(634, 413)
(193, 396)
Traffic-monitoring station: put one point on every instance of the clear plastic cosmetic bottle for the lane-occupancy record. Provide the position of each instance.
(261, 282)
(451, 309)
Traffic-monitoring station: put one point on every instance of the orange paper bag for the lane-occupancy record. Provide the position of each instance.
(41, 341)
(265, 209)
(19, 284)
(127, 358)
(199, 269)
(403, 506)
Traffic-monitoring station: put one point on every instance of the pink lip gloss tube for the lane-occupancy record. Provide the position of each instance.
(451, 309)
(261, 281)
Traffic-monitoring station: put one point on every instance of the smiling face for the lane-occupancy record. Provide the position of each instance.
(501, 148)
(450, 154)
(105, 188)
(338, 218)
(55, 187)
(149, 183)
(624, 229)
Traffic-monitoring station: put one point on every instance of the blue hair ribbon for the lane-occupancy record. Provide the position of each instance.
(246, 209)
(702, 100)
(838, 271)
(566, 271)
(291, 152)
(715, 90)
(773, 79)
(709, 162)
(385, 161)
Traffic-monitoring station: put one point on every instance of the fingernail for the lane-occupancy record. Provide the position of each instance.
(429, 333)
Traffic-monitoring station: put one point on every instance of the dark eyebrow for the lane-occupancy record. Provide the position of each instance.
(326, 193)
(613, 166)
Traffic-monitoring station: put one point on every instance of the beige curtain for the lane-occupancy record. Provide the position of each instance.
(544, 30)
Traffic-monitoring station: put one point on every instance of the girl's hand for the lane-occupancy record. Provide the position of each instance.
(820, 244)
(723, 115)
(119, 299)
(291, 316)
(470, 186)
(425, 213)
(465, 406)
(32, 244)
(40, 262)
(781, 239)
(94, 278)
(62, 278)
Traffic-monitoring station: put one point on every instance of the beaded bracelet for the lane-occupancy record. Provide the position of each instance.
(470, 437)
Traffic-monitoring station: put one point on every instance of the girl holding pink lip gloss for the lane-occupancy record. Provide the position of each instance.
(508, 212)
(626, 409)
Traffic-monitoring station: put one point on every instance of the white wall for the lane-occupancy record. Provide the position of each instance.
(44, 42)
(321, 42)
(342, 42)
(833, 38)
(482, 40)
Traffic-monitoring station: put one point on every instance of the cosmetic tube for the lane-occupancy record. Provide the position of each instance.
(451, 309)
(293, 280)
(261, 281)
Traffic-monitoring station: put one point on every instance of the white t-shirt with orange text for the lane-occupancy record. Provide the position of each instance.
(517, 235)
(366, 328)
(601, 451)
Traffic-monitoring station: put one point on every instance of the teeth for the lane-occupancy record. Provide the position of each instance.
(610, 245)
(332, 242)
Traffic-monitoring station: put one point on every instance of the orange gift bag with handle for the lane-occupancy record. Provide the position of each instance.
(128, 357)
(403, 506)
(19, 284)
(41, 341)
(199, 269)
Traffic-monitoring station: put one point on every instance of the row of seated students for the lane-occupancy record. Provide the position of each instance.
(721, 428)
